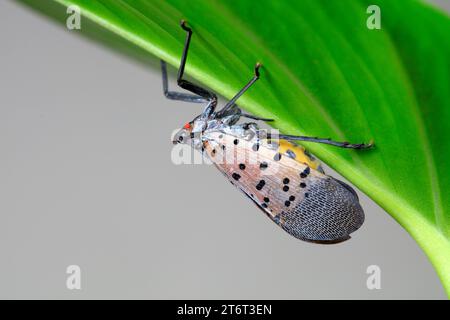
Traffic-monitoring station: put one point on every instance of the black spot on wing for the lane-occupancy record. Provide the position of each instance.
(263, 165)
(260, 185)
(290, 154)
(305, 172)
(277, 156)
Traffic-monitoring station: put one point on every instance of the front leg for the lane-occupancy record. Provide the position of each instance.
(185, 84)
(177, 95)
(232, 102)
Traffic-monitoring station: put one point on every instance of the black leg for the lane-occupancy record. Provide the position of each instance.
(245, 88)
(234, 110)
(177, 95)
(327, 141)
(249, 116)
(184, 83)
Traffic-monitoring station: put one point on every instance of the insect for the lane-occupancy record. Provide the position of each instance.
(280, 177)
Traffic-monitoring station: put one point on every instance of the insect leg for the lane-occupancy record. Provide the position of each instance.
(208, 95)
(242, 91)
(177, 95)
(234, 110)
(327, 141)
(249, 116)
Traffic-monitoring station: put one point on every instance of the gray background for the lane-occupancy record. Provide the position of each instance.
(86, 178)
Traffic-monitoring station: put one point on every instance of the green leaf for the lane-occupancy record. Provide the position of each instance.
(325, 74)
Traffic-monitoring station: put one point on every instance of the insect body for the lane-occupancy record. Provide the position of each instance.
(280, 177)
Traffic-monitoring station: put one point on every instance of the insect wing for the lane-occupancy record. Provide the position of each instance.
(296, 195)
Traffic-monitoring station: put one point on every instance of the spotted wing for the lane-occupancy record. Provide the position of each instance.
(288, 186)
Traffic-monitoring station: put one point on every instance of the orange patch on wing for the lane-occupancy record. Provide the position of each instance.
(299, 152)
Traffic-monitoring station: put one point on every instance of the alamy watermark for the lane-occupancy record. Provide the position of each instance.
(374, 20)
(73, 281)
(373, 281)
(220, 149)
(73, 21)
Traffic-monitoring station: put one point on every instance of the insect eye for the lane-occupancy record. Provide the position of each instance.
(187, 126)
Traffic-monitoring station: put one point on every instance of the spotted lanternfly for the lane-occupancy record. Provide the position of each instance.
(280, 177)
